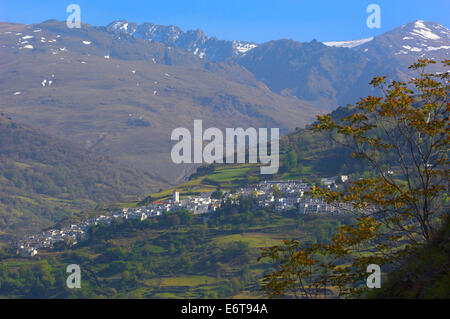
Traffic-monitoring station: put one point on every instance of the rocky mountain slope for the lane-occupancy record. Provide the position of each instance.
(325, 76)
(194, 41)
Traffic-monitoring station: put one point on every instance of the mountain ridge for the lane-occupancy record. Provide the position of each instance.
(390, 53)
(194, 41)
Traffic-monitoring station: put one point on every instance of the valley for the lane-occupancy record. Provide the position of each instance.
(99, 169)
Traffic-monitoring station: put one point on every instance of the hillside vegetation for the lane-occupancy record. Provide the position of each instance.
(178, 255)
(43, 179)
(423, 275)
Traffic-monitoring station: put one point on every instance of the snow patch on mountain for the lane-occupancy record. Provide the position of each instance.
(423, 31)
(243, 47)
(122, 26)
(413, 49)
(442, 47)
(348, 44)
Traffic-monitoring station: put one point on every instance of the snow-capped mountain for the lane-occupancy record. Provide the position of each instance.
(418, 39)
(194, 41)
(403, 45)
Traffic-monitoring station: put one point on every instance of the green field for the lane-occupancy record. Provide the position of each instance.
(225, 177)
(229, 174)
(254, 240)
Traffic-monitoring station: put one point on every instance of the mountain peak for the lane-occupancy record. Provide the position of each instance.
(405, 44)
(425, 30)
(418, 38)
(418, 30)
(122, 26)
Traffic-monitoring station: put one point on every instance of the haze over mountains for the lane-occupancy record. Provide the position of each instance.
(120, 90)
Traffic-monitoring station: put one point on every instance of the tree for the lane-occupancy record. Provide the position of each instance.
(217, 194)
(291, 160)
(276, 191)
(146, 201)
(403, 138)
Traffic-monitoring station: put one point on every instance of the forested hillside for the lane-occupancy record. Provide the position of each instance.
(43, 179)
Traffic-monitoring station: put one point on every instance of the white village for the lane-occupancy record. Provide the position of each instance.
(291, 197)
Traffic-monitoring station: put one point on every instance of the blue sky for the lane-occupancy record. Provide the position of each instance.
(250, 20)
